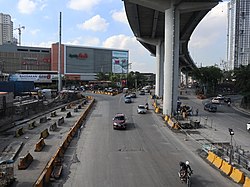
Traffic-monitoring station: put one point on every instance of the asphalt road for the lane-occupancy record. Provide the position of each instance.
(146, 154)
(226, 117)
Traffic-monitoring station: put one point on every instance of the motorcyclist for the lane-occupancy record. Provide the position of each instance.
(185, 168)
(146, 106)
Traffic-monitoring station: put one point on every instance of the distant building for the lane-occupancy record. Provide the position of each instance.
(14, 58)
(83, 63)
(6, 29)
(238, 45)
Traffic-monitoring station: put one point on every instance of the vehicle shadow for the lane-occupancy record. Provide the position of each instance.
(198, 180)
(130, 126)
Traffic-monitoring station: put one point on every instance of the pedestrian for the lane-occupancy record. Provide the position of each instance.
(197, 112)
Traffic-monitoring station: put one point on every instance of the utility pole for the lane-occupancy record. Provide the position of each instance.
(59, 54)
(19, 33)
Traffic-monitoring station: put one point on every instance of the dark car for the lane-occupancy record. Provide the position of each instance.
(210, 107)
(227, 99)
(119, 121)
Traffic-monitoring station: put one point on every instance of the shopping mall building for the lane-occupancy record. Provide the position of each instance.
(77, 62)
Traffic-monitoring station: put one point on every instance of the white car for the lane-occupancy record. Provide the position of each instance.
(141, 109)
(248, 126)
(215, 100)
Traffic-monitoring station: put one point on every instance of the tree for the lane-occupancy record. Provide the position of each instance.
(242, 77)
(102, 76)
(208, 77)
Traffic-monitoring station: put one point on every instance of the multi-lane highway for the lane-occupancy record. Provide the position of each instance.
(146, 154)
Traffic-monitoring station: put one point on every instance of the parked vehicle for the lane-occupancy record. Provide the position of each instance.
(215, 100)
(210, 107)
(220, 97)
(141, 109)
(119, 121)
(227, 99)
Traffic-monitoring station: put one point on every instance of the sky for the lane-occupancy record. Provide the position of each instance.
(98, 23)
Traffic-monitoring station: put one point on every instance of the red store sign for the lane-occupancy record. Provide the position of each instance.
(81, 56)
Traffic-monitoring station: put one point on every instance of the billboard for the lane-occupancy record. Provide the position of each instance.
(36, 78)
(120, 62)
(86, 60)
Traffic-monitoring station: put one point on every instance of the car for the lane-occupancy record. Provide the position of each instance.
(248, 126)
(119, 121)
(141, 109)
(227, 99)
(127, 99)
(146, 90)
(210, 107)
(215, 100)
(220, 97)
(133, 95)
(141, 92)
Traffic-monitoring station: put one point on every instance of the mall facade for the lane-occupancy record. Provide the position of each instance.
(77, 62)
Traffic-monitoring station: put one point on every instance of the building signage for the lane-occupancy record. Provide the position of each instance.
(37, 78)
(80, 56)
(120, 61)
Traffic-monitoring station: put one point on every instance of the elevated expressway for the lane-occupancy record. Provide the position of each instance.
(164, 28)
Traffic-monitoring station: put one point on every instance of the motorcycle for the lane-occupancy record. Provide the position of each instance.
(185, 177)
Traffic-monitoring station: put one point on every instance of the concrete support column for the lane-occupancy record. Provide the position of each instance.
(176, 78)
(157, 78)
(171, 61)
(168, 61)
(186, 76)
(161, 89)
(159, 69)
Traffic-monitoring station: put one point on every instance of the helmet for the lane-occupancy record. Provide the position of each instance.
(187, 162)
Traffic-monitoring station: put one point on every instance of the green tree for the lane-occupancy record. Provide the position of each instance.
(208, 77)
(242, 77)
(102, 76)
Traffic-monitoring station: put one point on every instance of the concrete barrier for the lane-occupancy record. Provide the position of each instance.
(226, 168)
(43, 119)
(75, 109)
(25, 161)
(157, 110)
(45, 176)
(68, 106)
(68, 115)
(40, 145)
(217, 162)
(247, 182)
(238, 176)
(53, 114)
(60, 121)
(211, 157)
(63, 109)
(19, 132)
(166, 118)
(53, 127)
(44, 134)
(32, 125)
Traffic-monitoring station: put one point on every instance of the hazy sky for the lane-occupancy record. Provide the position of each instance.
(99, 23)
